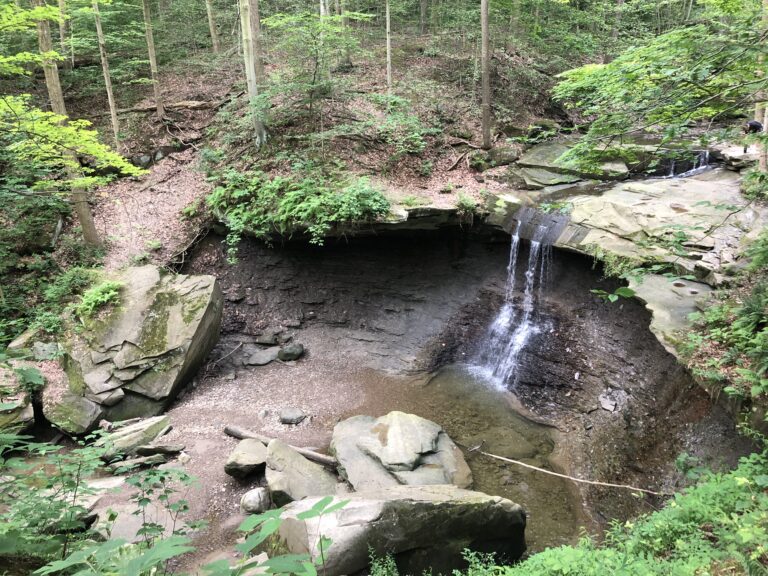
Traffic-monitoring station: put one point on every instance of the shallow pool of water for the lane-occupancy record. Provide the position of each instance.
(475, 412)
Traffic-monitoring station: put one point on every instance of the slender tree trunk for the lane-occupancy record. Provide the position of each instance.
(347, 62)
(152, 58)
(763, 165)
(107, 76)
(212, 27)
(423, 8)
(258, 57)
(63, 32)
(389, 50)
(56, 96)
(485, 72)
(615, 28)
(250, 28)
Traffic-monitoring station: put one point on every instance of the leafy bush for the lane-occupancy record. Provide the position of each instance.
(101, 295)
(255, 203)
(754, 184)
(720, 526)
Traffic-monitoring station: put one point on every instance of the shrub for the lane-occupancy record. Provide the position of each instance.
(255, 203)
(101, 295)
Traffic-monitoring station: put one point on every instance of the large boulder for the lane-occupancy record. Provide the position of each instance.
(425, 528)
(290, 476)
(133, 358)
(397, 449)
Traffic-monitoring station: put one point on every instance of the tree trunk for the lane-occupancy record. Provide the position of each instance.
(152, 58)
(63, 32)
(615, 29)
(107, 77)
(485, 72)
(250, 58)
(347, 63)
(763, 165)
(212, 27)
(423, 8)
(389, 51)
(56, 97)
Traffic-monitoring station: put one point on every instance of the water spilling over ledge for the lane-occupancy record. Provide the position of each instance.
(515, 323)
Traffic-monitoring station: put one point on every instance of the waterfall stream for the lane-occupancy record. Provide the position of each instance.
(515, 323)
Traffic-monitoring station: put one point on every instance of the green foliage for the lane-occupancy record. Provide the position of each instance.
(620, 292)
(720, 526)
(42, 496)
(411, 201)
(740, 332)
(690, 73)
(754, 184)
(466, 207)
(563, 207)
(106, 293)
(254, 203)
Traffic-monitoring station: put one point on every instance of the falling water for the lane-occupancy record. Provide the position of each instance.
(699, 165)
(514, 325)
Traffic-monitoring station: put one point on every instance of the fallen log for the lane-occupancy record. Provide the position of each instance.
(242, 434)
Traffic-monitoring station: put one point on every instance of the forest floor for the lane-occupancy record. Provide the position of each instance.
(143, 219)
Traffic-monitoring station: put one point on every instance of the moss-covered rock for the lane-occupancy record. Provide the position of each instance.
(132, 359)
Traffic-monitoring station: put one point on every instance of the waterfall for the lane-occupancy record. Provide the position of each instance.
(699, 164)
(514, 325)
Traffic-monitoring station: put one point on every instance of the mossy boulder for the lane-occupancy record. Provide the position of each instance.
(132, 358)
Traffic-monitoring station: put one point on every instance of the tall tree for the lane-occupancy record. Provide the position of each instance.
(423, 8)
(63, 32)
(105, 72)
(212, 26)
(56, 97)
(389, 50)
(254, 71)
(152, 58)
(486, 71)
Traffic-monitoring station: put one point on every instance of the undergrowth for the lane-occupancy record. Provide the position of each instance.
(729, 342)
(255, 203)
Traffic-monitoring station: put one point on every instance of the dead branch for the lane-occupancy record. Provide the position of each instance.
(458, 161)
(240, 433)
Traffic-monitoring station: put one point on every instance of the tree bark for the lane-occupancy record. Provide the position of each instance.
(152, 58)
(63, 33)
(763, 163)
(56, 97)
(212, 27)
(486, 79)
(107, 76)
(423, 8)
(250, 58)
(389, 51)
(347, 63)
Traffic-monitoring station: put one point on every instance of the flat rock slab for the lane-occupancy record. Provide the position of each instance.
(671, 302)
(395, 449)
(127, 439)
(426, 528)
(640, 220)
(290, 476)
